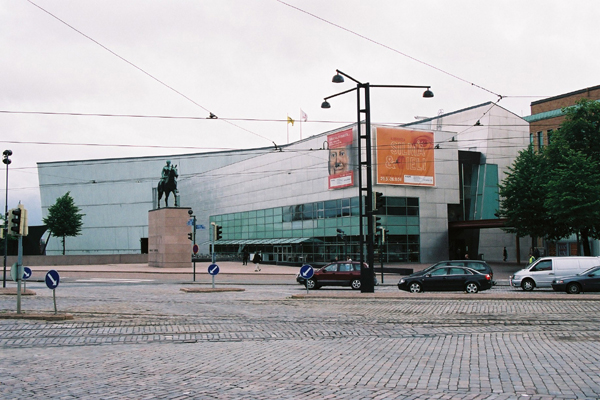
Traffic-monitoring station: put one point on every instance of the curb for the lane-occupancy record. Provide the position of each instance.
(211, 290)
(37, 316)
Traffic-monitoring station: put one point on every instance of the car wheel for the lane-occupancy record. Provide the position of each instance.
(471, 287)
(355, 284)
(415, 287)
(311, 284)
(528, 285)
(573, 288)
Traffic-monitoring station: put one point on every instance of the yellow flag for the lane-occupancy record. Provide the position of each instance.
(290, 120)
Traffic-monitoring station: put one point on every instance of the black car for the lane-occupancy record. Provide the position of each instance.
(477, 265)
(587, 281)
(339, 273)
(446, 278)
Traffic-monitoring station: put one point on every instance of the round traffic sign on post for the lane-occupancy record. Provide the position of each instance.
(195, 248)
(26, 272)
(307, 271)
(52, 279)
(213, 269)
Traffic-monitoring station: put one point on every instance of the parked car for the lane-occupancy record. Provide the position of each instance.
(339, 273)
(587, 281)
(446, 278)
(477, 265)
(544, 270)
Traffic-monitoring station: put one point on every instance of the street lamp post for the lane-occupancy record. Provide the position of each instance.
(6, 160)
(367, 275)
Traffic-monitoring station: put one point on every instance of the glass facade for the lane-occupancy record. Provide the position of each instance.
(308, 233)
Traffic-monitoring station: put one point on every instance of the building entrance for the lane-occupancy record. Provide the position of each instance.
(282, 253)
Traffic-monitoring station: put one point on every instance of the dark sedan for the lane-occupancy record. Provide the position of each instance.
(587, 281)
(446, 278)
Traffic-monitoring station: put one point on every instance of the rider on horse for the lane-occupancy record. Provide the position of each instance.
(168, 183)
(165, 173)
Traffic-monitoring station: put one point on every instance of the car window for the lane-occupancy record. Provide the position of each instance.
(595, 273)
(456, 263)
(545, 265)
(345, 267)
(456, 271)
(356, 267)
(330, 268)
(477, 266)
(440, 271)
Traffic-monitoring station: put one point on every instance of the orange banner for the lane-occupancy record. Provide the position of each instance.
(404, 157)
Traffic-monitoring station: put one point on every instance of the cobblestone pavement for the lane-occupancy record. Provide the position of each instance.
(153, 341)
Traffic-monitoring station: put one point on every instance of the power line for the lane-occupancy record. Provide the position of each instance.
(390, 48)
(211, 115)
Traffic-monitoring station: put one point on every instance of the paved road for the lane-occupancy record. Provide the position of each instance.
(153, 341)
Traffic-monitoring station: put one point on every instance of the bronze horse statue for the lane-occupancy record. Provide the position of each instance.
(168, 186)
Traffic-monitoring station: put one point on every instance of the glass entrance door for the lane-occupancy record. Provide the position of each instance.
(282, 253)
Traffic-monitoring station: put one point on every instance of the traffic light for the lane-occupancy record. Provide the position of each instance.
(218, 232)
(340, 234)
(190, 236)
(384, 232)
(376, 225)
(14, 221)
(17, 221)
(378, 201)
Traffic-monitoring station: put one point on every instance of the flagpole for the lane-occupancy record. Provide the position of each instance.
(287, 124)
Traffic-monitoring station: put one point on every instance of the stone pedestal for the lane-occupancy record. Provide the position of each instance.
(168, 243)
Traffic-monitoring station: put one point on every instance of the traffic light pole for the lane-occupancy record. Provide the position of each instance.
(194, 244)
(6, 161)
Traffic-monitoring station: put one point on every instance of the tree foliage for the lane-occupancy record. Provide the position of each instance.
(64, 218)
(555, 192)
(523, 199)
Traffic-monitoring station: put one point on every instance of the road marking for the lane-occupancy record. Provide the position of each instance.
(114, 280)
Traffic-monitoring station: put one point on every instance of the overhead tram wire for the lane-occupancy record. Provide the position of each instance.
(212, 116)
(184, 117)
(390, 48)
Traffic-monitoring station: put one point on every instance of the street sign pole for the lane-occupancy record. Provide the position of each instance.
(194, 246)
(19, 273)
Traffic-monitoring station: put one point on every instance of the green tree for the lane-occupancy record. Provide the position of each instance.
(522, 194)
(573, 187)
(555, 192)
(64, 218)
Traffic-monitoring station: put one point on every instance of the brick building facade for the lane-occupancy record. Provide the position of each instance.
(546, 115)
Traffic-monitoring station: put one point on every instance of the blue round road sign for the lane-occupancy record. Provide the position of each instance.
(26, 272)
(213, 269)
(307, 271)
(52, 279)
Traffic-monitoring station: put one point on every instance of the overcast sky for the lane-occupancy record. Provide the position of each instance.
(254, 62)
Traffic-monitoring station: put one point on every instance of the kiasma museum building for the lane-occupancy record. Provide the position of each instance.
(439, 178)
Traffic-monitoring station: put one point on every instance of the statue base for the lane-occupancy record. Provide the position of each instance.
(168, 243)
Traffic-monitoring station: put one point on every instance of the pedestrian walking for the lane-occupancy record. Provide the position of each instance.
(256, 260)
(505, 254)
(245, 256)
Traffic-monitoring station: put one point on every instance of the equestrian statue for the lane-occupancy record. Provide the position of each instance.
(168, 183)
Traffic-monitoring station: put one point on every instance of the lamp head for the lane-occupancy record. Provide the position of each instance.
(428, 93)
(337, 78)
(325, 104)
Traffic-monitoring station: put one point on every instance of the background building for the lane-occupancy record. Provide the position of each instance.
(546, 118)
(289, 203)
(546, 114)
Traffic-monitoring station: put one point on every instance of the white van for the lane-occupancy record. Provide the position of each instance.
(544, 270)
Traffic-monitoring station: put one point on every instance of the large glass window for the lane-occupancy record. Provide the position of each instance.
(309, 231)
